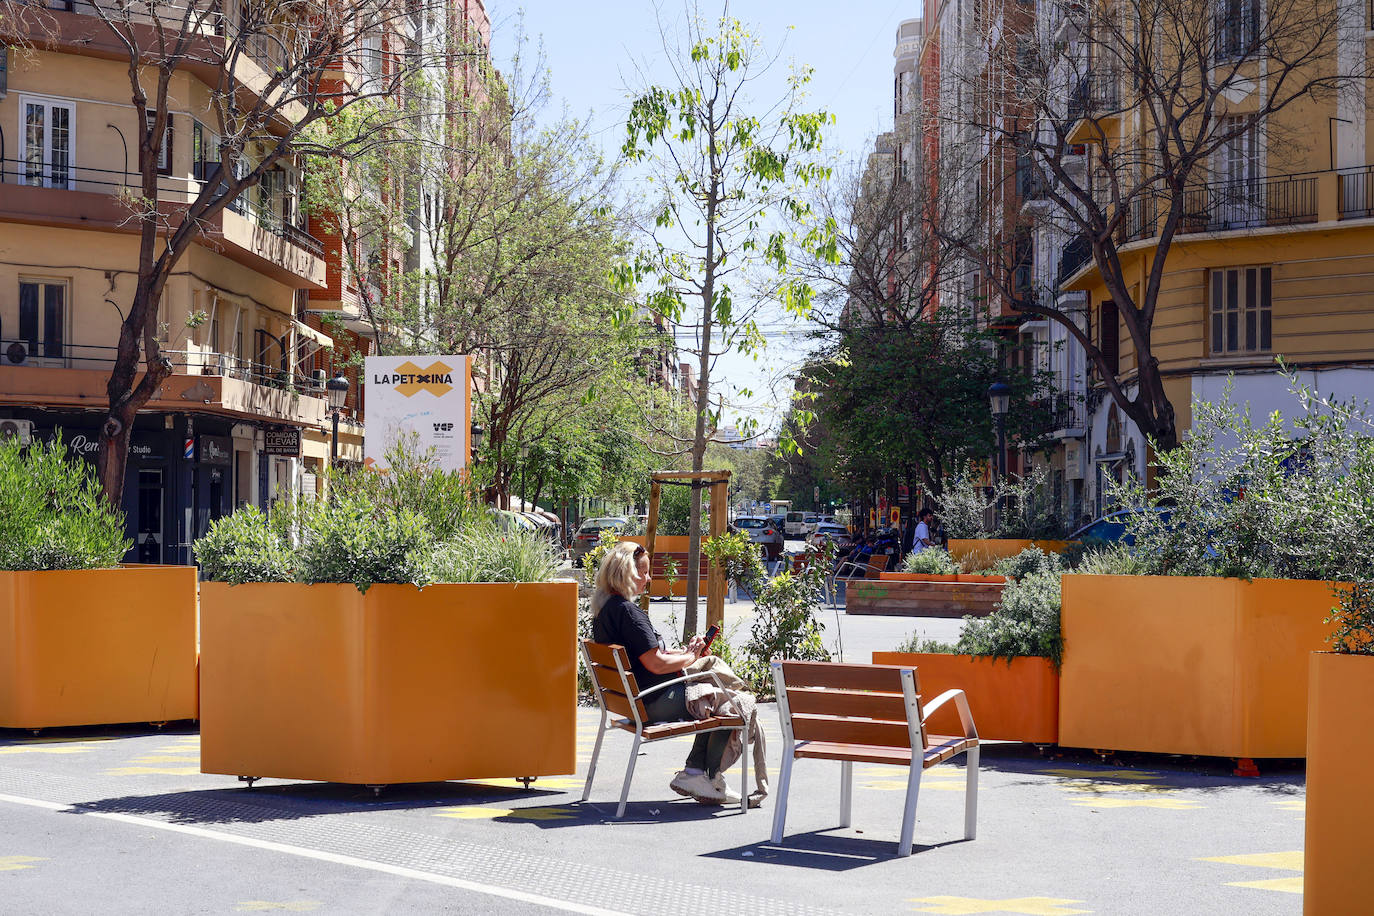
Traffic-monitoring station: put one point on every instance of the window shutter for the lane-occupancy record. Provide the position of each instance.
(1109, 335)
(4, 70)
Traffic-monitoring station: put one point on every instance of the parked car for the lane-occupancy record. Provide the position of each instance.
(837, 535)
(812, 519)
(589, 533)
(1111, 528)
(778, 521)
(763, 532)
(795, 526)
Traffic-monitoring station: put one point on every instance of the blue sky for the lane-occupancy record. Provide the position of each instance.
(593, 51)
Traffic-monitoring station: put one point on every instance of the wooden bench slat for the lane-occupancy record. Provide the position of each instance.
(874, 732)
(601, 653)
(672, 729)
(608, 678)
(882, 678)
(864, 704)
(941, 748)
(619, 704)
(830, 750)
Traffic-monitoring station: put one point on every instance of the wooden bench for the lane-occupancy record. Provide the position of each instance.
(658, 584)
(869, 714)
(617, 692)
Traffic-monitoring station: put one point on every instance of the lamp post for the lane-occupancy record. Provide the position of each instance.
(475, 433)
(337, 389)
(999, 397)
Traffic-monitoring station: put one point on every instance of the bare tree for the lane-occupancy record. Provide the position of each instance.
(276, 72)
(1123, 115)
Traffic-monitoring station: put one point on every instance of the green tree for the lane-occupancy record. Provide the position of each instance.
(728, 169)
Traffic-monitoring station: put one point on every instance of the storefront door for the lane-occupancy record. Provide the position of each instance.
(150, 537)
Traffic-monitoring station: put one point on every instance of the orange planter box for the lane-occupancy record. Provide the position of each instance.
(1185, 665)
(97, 646)
(1340, 809)
(1010, 702)
(981, 553)
(397, 685)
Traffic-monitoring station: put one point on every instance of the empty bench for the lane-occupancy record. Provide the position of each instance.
(868, 714)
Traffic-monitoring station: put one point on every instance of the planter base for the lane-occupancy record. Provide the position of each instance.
(1010, 702)
(921, 599)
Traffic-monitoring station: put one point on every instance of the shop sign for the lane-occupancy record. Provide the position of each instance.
(426, 397)
(282, 443)
(216, 450)
(87, 445)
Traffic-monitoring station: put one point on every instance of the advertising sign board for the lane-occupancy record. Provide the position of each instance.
(429, 397)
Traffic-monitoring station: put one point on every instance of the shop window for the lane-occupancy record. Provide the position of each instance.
(1241, 310)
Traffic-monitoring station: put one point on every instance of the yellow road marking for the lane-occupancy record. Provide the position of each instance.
(963, 906)
(1086, 785)
(1168, 804)
(262, 906)
(16, 863)
(899, 785)
(542, 782)
(43, 749)
(153, 771)
(1100, 774)
(1292, 804)
(483, 812)
(1292, 861)
(1286, 885)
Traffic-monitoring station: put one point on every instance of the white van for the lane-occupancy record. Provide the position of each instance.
(795, 525)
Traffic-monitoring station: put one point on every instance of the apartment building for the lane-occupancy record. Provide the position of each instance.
(242, 419)
(1270, 243)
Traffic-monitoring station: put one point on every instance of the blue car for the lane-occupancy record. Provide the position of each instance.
(1112, 528)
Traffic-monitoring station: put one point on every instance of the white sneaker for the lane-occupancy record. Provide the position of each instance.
(724, 794)
(696, 785)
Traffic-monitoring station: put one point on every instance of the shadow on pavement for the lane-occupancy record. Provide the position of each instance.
(294, 801)
(76, 733)
(822, 851)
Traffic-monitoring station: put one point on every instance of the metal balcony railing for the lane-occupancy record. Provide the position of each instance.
(63, 176)
(1225, 205)
(51, 353)
(1355, 191)
(1096, 93)
(1076, 253)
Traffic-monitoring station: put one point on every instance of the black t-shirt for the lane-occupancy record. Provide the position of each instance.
(622, 623)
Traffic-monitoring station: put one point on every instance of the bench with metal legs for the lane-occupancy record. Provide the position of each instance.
(617, 692)
(868, 714)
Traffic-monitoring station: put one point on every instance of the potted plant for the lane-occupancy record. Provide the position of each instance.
(83, 640)
(988, 524)
(1007, 662)
(1239, 547)
(930, 565)
(1340, 738)
(406, 639)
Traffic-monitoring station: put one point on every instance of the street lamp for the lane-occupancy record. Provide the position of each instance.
(475, 434)
(337, 389)
(999, 396)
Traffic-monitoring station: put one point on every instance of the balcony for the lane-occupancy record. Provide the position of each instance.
(1096, 94)
(1228, 205)
(1355, 192)
(54, 373)
(1066, 415)
(61, 194)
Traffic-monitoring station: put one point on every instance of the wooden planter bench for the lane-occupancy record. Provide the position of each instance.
(896, 598)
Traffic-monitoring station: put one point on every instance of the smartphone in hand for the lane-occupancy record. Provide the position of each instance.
(711, 633)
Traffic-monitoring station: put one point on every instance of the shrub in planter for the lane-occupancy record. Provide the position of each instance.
(247, 547)
(53, 514)
(1029, 511)
(932, 561)
(1029, 561)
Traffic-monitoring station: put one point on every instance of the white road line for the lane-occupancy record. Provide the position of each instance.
(319, 855)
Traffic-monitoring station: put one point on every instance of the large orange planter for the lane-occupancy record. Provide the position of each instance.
(1010, 702)
(97, 646)
(981, 553)
(1340, 809)
(321, 682)
(1184, 665)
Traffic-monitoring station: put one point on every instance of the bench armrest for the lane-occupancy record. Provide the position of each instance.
(961, 703)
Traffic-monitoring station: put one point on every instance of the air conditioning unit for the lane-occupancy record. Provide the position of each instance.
(21, 428)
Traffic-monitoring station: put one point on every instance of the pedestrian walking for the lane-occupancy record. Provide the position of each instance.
(922, 538)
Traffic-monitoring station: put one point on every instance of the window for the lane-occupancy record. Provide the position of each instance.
(204, 152)
(1109, 335)
(42, 317)
(46, 142)
(1237, 29)
(1241, 307)
(164, 152)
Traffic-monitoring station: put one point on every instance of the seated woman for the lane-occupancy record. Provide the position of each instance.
(618, 620)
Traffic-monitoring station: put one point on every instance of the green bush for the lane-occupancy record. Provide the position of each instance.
(487, 554)
(1353, 619)
(346, 539)
(915, 643)
(1028, 562)
(1024, 623)
(1028, 508)
(246, 546)
(1110, 560)
(53, 514)
(933, 561)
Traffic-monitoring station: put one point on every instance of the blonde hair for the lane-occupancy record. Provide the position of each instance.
(616, 573)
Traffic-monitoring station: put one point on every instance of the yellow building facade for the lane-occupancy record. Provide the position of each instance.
(243, 419)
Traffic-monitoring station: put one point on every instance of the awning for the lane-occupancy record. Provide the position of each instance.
(320, 338)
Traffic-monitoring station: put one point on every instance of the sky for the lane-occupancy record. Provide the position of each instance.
(595, 52)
